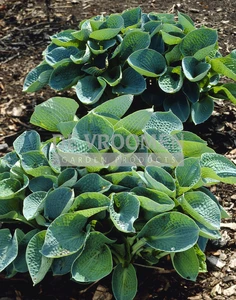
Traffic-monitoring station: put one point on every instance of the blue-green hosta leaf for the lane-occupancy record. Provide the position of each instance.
(90, 89)
(153, 201)
(147, 62)
(191, 91)
(170, 232)
(65, 235)
(99, 184)
(199, 43)
(160, 179)
(42, 183)
(112, 76)
(94, 129)
(225, 91)
(19, 263)
(173, 55)
(157, 43)
(186, 264)
(171, 27)
(216, 167)
(81, 57)
(171, 38)
(164, 17)
(35, 164)
(188, 173)
(60, 55)
(27, 141)
(124, 282)
(225, 66)
(165, 122)
(99, 47)
(8, 248)
(208, 233)
(33, 204)
(65, 76)
(66, 128)
(65, 38)
(172, 81)
(52, 112)
(135, 122)
(68, 177)
(116, 107)
(124, 141)
(153, 27)
(125, 179)
(10, 206)
(8, 161)
(186, 22)
(12, 187)
(38, 264)
(124, 210)
(89, 200)
(131, 17)
(179, 105)
(37, 78)
(193, 69)
(202, 110)
(202, 208)
(95, 262)
(133, 41)
(58, 202)
(62, 265)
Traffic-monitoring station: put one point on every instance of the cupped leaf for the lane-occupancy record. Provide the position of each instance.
(134, 40)
(172, 81)
(59, 55)
(81, 56)
(186, 264)
(42, 183)
(170, 232)
(65, 235)
(165, 122)
(65, 38)
(58, 202)
(12, 187)
(65, 76)
(123, 141)
(65, 128)
(35, 164)
(52, 112)
(8, 248)
(94, 129)
(90, 89)
(124, 210)
(99, 184)
(171, 38)
(188, 173)
(89, 200)
(63, 265)
(179, 105)
(124, 282)
(27, 141)
(147, 62)
(173, 55)
(135, 122)
(131, 83)
(95, 262)
(38, 265)
(225, 66)
(131, 17)
(202, 208)
(99, 47)
(83, 34)
(191, 91)
(216, 167)
(199, 43)
(113, 76)
(160, 179)
(193, 69)
(202, 110)
(116, 107)
(37, 78)
(68, 177)
(33, 204)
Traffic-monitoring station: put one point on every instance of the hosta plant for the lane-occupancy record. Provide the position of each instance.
(165, 62)
(110, 193)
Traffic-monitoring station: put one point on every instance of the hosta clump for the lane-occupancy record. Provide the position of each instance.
(165, 62)
(132, 204)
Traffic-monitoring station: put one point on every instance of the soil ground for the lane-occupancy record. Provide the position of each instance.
(25, 27)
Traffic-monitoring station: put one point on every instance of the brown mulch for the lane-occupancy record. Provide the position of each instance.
(25, 27)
